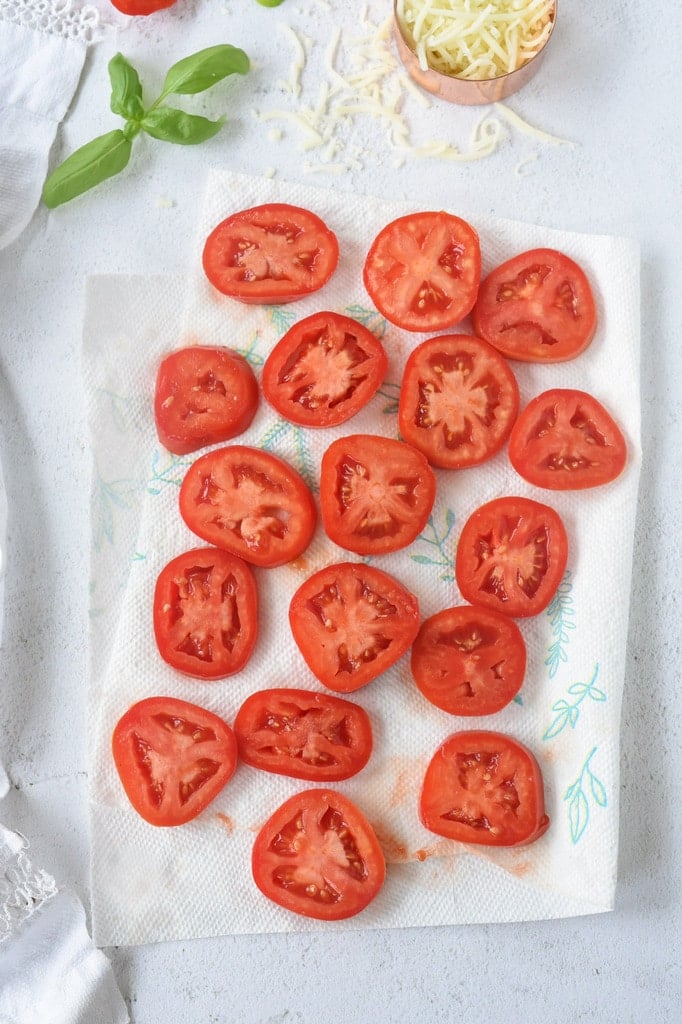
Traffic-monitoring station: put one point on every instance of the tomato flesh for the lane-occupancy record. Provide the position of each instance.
(484, 788)
(173, 758)
(458, 400)
(318, 856)
(134, 7)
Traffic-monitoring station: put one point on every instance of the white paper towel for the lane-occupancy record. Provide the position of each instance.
(152, 884)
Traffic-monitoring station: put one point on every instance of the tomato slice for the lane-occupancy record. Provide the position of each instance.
(303, 734)
(270, 253)
(173, 758)
(324, 370)
(203, 396)
(511, 556)
(484, 788)
(537, 307)
(422, 271)
(249, 502)
(458, 400)
(318, 856)
(351, 622)
(566, 440)
(376, 493)
(134, 7)
(469, 661)
(205, 613)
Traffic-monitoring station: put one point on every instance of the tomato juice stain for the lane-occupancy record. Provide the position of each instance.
(226, 822)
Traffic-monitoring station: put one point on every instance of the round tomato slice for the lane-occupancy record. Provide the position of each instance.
(303, 734)
(318, 856)
(537, 307)
(422, 271)
(173, 758)
(134, 7)
(324, 370)
(205, 613)
(458, 400)
(249, 502)
(511, 556)
(271, 253)
(203, 396)
(469, 661)
(376, 493)
(351, 622)
(484, 788)
(566, 440)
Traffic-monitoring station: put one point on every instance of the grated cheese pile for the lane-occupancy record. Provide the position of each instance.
(475, 39)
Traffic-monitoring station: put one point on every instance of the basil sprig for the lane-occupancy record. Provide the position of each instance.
(109, 154)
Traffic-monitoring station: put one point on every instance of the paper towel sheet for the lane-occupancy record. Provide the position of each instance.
(153, 884)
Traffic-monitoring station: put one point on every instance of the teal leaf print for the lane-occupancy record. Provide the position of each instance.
(437, 541)
(252, 357)
(295, 436)
(578, 815)
(560, 611)
(577, 797)
(566, 714)
(391, 392)
(119, 407)
(107, 498)
(167, 471)
(369, 318)
(281, 318)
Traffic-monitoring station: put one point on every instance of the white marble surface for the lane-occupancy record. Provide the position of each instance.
(605, 86)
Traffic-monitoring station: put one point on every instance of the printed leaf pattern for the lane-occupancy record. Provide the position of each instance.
(437, 541)
(167, 471)
(108, 496)
(295, 436)
(369, 318)
(567, 714)
(281, 318)
(249, 353)
(391, 392)
(560, 611)
(578, 795)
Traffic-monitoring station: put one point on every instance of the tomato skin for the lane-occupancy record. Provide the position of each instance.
(162, 746)
(469, 661)
(203, 396)
(250, 502)
(323, 370)
(206, 613)
(134, 7)
(376, 493)
(511, 556)
(304, 734)
(423, 270)
(566, 440)
(484, 788)
(458, 400)
(319, 857)
(351, 622)
(269, 254)
(536, 307)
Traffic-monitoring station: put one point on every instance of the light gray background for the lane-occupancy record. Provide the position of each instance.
(609, 83)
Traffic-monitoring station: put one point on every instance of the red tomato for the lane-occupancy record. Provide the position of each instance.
(324, 369)
(352, 622)
(458, 400)
(249, 502)
(566, 440)
(469, 661)
(270, 253)
(484, 788)
(318, 856)
(511, 556)
(205, 613)
(376, 493)
(302, 734)
(422, 271)
(537, 307)
(203, 396)
(141, 6)
(173, 758)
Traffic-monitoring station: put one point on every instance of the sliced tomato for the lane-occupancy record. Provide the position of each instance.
(303, 734)
(458, 400)
(469, 661)
(249, 502)
(511, 556)
(173, 758)
(351, 622)
(203, 396)
(422, 271)
(318, 856)
(270, 253)
(484, 788)
(566, 440)
(134, 7)
(537, 307)
(324, 370)
(376, 493)
(205, 613)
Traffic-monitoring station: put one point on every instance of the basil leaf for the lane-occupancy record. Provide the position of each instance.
(171, 125)
(203, 69)
(126, 88)
(90, 165)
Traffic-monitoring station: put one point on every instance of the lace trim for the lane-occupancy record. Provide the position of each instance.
(56, 17)
(23, 891)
